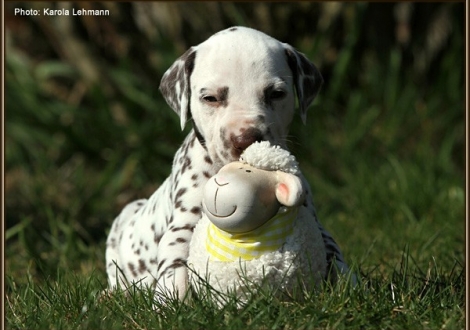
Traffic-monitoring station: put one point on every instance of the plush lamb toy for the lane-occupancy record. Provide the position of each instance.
(254, 230)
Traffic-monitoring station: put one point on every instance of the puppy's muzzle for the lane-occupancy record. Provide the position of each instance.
(244, 140)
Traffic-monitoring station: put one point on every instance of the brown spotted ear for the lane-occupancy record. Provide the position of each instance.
(175, 86)
(307, 78)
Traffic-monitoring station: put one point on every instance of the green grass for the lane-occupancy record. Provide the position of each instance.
(407, 297)
(383, 150)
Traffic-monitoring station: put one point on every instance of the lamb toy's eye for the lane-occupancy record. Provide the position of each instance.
(248, 171)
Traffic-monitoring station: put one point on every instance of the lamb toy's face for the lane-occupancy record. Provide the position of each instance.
(240, 198)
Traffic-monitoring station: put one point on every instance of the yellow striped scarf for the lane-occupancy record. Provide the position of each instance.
(224, 246)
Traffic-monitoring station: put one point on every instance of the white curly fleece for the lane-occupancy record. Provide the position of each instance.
(265, 156)
(301, 258)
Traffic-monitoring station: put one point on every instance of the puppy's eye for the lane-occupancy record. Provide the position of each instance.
(209, 99)
(272, 94)
(277, 94)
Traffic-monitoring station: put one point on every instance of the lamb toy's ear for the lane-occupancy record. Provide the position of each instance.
(289, 189)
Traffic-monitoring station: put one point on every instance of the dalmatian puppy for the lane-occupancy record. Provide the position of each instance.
(236, 88)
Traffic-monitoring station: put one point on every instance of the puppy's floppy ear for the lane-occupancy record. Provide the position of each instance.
(175, 86)
(307, 78)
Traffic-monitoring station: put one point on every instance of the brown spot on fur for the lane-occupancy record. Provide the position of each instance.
(142, 266)
(222, 96)
(132, 269)
(177, 263)
(185, 227)
(186, 165)
(196, 210)
(208, 160)
(189, 58)
(180, 193)
(191, 143)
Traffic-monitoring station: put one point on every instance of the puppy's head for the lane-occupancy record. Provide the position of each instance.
(239, 87)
